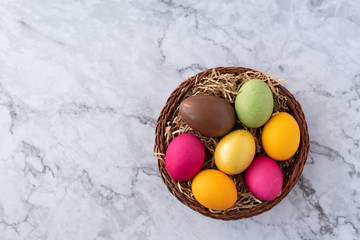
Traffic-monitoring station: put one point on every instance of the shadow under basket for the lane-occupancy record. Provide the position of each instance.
(291, 172)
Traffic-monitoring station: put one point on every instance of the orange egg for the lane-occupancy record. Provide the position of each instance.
(214, 189)
(281, 136)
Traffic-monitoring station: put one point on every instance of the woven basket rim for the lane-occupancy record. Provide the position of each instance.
(294, 171)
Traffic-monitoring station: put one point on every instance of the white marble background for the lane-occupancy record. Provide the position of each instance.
(83, 82)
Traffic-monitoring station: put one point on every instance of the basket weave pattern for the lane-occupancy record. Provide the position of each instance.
(290, 177)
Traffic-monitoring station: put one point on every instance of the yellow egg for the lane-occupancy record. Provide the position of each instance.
(281, 136)
(214, 189)
(235, 152)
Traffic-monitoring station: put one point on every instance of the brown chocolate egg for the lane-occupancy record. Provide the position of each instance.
(209, 115)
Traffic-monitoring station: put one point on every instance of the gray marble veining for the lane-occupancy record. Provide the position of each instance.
(83, 82)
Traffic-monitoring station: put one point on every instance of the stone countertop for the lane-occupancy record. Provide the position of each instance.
(83, 82)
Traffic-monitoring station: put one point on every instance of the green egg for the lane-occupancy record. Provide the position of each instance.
(254, 103)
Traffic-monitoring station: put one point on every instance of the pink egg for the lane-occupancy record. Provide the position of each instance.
(264, 178)
(185, 156)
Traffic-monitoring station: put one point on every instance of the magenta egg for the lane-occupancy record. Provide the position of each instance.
(264, 178)
(184, 157)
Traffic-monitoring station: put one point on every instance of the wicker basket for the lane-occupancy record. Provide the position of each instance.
(290, 177)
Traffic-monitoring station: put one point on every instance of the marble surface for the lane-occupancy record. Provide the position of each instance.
(83, 82)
